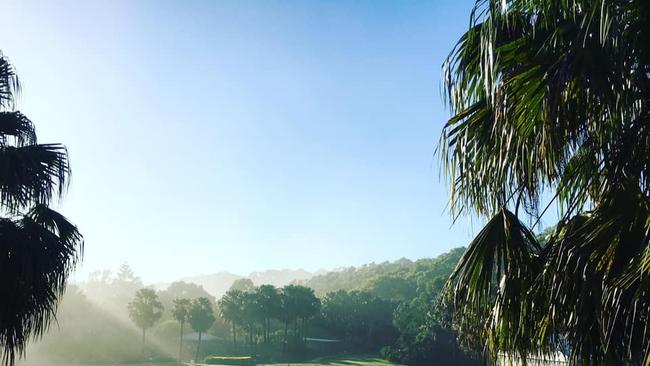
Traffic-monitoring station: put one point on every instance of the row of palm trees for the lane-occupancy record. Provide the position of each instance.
(146, 309)
(249, 310)
(252, 311)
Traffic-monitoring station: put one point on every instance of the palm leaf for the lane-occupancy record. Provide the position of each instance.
(9, 84)
(489, 285)
(37, 254)
(18, 126)
(31, 174)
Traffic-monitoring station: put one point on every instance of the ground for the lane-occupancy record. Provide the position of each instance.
(329, 361)
(345, 361)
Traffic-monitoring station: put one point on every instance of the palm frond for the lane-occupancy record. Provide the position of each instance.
(18, 126)
(37, 254)
(488, 288)
(9, 84)
(32, 174)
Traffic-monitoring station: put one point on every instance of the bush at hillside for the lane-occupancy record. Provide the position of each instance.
(223, 360)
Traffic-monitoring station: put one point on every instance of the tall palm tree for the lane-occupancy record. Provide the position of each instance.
(145, 310)
(201, 318)
(230, 309)
(38, 246)
(181, 312)
(551, 104)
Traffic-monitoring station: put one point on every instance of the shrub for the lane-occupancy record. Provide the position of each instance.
(230, 360)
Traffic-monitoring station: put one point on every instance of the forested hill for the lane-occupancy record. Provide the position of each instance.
(396, 280)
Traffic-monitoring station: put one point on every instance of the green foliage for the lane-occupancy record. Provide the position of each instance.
(243, 284)
(553, 95)
(232, 360)
(183, 290)
(361, 320)
(201, 314)
(181, 309)
(40, 247)
(145, 309)
(298, 302)
(395, 281)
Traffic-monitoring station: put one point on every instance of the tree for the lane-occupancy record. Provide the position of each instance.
(230, 308)
(297, 302)
(181, 312)
(361, 320)
(270, 306)
(126, 274)
(39, 247)
(183, 290)
(243, 285)
(553, 96)
(145, 310)
(201, 319)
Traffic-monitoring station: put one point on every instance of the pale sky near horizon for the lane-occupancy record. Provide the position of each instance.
(240, 136)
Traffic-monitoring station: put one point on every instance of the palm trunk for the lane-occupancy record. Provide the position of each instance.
(180, 345)
(251, 338)
(286, 328)
(295, 328)
(234, 335)
(198, 348)
(143, 335)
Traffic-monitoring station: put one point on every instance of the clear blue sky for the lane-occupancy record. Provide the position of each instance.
(243, 135)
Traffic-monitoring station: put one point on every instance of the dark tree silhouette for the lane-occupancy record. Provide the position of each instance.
(270, 305)
(145, 310)
(230, 309)
(553, 96)
(181, 312)
(201, 319)
(38, 246)
(298, 303)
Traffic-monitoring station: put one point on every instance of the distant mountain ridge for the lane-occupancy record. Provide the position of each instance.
(378, 278)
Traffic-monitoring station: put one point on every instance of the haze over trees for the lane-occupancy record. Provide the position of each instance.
(362, 318)
(201, 318)
(145, 310)
(550, 100)
(39, 247)
(181, 313)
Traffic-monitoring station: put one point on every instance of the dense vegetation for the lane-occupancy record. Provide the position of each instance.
(551, 108)
(390, 307)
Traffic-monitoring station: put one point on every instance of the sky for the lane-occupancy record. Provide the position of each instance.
(239, 136)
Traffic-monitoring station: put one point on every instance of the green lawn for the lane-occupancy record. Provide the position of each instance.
(328, 361)
(345, 361)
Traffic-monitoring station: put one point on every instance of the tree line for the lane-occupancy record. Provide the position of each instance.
(394, 308)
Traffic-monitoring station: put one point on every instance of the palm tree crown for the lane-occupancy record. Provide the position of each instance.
(38, 246)
(551, 99)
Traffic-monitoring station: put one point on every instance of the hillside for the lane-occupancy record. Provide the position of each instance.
(218, 283)
(397, 280)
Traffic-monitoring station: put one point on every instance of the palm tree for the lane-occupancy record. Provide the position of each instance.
(201, 319)
(181, 312)
(553, 96)
(39, 246)
(145, 310)
(270, 303)
(230, 308)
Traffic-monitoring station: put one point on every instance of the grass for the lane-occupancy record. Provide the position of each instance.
(325, 361)
(344, 361)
